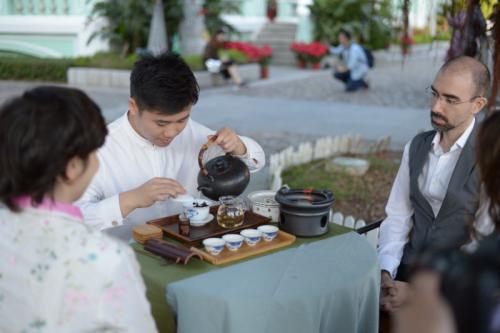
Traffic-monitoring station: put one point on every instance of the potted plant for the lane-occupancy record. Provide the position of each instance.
(265, 54)
(406, 43)
(300, 50)
(315, 52)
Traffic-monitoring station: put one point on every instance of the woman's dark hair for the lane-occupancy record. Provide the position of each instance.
(40, 132)
(163, 84)
(488, 157)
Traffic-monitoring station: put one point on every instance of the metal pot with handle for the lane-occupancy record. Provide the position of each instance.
(304, 212)
(222, 175)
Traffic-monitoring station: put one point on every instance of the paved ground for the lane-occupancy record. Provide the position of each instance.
(298, 105)
(391, 84)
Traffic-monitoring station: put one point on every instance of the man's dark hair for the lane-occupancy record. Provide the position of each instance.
(346, 33)
(480, 73)
(163, 84)
(40, 132)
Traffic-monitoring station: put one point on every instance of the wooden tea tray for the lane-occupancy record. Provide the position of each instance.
(170, 227)
(282, 239)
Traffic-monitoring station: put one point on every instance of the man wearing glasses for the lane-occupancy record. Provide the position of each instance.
(436, 195)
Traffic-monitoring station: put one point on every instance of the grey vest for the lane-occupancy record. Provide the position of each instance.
(450, 228)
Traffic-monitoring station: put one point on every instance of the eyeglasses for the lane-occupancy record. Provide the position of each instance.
(449, 100)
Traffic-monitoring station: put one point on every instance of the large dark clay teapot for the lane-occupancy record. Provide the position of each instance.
(222, 175)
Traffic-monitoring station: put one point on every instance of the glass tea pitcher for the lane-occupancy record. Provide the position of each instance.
(231, 212)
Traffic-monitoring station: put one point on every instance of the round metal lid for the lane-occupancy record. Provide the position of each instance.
(265, 198)
(304, 197)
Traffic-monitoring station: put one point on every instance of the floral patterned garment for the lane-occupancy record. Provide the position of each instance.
(59, 275)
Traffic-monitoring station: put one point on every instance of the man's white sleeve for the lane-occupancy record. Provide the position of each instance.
(396, 227)
(98, 211)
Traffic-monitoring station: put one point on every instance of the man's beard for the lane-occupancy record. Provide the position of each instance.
(441, 128)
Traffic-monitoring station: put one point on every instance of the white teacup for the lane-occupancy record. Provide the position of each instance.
(269, 232)
(233, 241)
(214, 246)
(252, 236)
(197, 210)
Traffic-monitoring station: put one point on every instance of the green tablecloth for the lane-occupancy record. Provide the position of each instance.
(157, 276)
(327, 286)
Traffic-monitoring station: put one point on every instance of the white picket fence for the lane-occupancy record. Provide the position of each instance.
(322, 148)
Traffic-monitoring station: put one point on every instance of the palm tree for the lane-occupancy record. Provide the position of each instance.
(212, 11)
(128, 22)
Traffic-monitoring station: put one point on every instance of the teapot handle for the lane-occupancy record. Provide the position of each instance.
(203, 149)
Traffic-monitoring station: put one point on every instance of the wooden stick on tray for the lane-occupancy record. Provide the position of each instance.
(170, 252)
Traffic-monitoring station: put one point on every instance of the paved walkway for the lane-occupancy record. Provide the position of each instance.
(298, 105)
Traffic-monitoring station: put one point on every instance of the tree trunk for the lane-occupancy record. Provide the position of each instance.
(157, 40)
(406, 27)
(192, 28)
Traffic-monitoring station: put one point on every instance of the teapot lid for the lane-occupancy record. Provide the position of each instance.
(222, 164)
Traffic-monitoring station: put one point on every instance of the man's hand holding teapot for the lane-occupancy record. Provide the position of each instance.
(231, 143)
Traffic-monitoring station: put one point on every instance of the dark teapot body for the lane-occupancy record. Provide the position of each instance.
(223, 175)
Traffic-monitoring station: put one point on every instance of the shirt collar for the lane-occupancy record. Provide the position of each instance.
(143, 142)
(50, 205)
(459, 144)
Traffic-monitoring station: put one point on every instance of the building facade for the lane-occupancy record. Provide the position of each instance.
(47, 28)
(60, 28)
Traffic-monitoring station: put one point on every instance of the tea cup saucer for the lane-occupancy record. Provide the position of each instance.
(200, 223)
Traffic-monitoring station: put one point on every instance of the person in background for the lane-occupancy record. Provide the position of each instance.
(216, 61)
(355, 63)
(57, 274)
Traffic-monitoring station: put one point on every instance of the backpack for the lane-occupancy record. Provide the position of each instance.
(369, 57)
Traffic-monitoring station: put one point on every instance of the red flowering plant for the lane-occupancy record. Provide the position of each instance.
(251, 51)
(265, 55)
(406, 43)
(316, 51)
(300, 50)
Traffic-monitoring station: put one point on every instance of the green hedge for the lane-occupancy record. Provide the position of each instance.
(54, 70)
(427, 38)
(106, 60)
(195, 62)
(33, 69)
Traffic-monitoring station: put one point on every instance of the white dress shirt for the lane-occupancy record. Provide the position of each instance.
(127, 160)
(433, 183)
(58, 275)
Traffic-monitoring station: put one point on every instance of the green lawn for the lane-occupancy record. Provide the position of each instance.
(363, 197)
